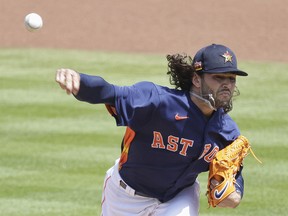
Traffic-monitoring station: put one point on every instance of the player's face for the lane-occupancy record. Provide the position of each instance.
(222, 87)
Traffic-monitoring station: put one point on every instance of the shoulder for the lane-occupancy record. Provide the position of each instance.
(146, 86)
(224, 120)
(228, 121)
(223, 125)
(230, 130)
(150, 86)
(137, 89)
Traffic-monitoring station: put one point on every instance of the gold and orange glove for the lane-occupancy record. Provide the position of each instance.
(224, 167)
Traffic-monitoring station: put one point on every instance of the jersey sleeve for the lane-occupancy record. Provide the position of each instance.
(135, 105)
(239, 184)
(95, 90)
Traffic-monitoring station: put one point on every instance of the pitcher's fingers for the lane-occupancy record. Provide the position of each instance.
(57, 75)
(213, 183)
(76, 83)
(68, 81)
(60, 76)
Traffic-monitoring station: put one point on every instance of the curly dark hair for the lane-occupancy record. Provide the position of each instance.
(180, 71)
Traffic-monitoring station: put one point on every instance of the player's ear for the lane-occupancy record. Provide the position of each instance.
(196, 80)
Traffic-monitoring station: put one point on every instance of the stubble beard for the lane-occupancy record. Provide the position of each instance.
(215, 97)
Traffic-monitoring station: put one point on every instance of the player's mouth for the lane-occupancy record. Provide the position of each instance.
(225, 93)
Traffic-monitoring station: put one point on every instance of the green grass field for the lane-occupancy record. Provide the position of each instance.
(54, 150)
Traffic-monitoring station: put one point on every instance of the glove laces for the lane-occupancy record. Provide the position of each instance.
(249, 148)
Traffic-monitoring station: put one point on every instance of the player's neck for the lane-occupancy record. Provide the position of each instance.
(205, 109)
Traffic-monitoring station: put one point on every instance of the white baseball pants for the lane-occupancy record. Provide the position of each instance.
(117, 201)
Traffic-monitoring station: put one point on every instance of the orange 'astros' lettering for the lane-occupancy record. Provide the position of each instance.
(173, 143)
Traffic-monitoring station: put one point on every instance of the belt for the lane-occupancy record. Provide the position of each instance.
(125, 186)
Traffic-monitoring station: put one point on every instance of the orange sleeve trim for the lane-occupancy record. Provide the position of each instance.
(128, 138)
(111, 110)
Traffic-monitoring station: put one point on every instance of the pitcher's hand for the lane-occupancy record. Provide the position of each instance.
(69, 80)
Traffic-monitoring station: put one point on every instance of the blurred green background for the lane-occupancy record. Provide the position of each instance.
(54, 150)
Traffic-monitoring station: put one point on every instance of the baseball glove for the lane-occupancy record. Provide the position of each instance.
(224, 168)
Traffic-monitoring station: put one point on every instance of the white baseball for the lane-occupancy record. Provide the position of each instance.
(33, 22)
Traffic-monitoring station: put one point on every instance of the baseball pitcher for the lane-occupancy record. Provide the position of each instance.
(171, 135)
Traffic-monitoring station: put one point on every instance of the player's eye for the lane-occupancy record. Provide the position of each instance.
(221, 79)
(232, 79)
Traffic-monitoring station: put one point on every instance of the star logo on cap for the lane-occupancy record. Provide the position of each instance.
(227, 57)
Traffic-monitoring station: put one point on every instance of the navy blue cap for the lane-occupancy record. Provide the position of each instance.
(216, 59)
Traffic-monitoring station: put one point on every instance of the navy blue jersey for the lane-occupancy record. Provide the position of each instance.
(168, 140)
